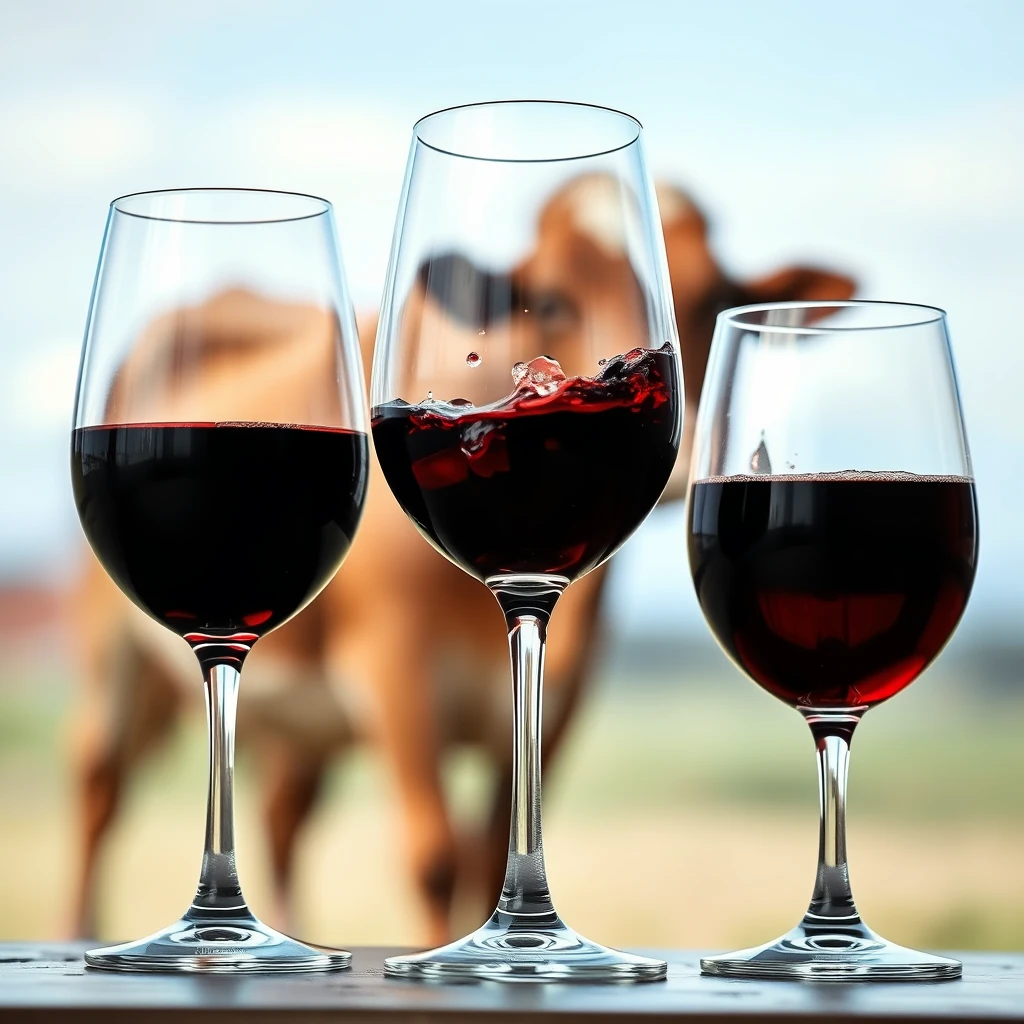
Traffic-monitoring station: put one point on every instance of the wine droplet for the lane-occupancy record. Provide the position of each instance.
(601, 362)
(430, 394)
(473, 359)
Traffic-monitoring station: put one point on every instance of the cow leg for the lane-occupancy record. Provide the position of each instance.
(400, 695)
(573, 664)
(293, 783)
(495, 845)
(99, 777)
(132, 709)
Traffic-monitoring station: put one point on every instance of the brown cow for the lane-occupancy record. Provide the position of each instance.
(402, 649)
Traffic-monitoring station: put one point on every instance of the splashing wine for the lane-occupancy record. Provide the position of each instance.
(551, 479)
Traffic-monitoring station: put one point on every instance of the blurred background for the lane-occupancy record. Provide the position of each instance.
(886, 142)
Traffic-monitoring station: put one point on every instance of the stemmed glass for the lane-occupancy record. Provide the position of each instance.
(833, 540)
(526, 401)
(219, 460)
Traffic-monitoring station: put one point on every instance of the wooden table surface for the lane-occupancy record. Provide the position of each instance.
(44, 983)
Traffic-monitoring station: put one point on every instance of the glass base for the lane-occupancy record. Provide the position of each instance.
(225, 945)
(501, 953)
(839, 954)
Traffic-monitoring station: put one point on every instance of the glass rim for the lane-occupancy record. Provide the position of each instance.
(918, 314)
(121, 203)
(480, 104)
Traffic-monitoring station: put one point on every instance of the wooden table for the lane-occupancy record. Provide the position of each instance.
(49, 983)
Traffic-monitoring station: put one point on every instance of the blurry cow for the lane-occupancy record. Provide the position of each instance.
(402, 649)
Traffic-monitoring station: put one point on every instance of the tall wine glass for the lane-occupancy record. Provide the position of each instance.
(833, 540)
(526, 402)
(219, 461)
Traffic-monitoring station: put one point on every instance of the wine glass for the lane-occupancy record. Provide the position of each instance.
(833, 540)
(526, 401)
(219, 460)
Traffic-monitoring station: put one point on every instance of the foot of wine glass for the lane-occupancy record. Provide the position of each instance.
(218, 933)
(832, 943)
(525, 939)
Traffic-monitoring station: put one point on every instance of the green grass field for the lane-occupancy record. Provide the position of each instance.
(677, 816)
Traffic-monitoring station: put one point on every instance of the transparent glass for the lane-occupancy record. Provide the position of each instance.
(526, 400)
(833, 540)
(219, 463)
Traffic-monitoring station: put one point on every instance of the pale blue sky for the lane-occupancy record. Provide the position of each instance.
(883, 138)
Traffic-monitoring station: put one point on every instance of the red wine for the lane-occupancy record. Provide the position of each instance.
(219, 528)
(834, 590)
(552, 479)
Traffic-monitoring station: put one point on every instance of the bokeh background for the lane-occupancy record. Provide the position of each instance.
(884, 139)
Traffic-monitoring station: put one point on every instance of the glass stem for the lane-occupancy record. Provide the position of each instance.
(832, 907)
(219, 890)
(527, 603)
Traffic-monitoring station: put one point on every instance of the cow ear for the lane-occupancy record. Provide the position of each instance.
(678, 210)
(794, 284)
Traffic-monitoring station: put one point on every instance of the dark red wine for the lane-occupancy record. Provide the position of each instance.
(833, 590)
(218, 527)
(551, 480)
